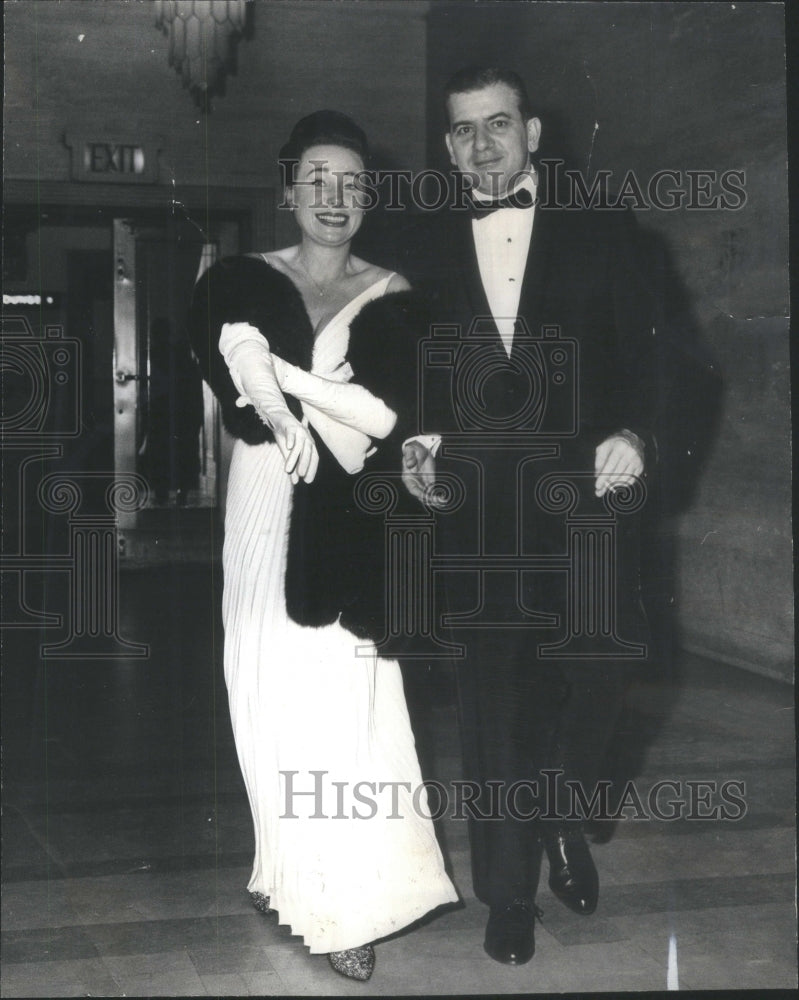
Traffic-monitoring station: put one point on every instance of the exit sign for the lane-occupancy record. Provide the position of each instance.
(115, 159)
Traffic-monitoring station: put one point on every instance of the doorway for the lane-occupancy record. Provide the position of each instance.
(119, 266)
(166, 426)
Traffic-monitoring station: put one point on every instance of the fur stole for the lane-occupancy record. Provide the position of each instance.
(336, 556)
(247, 290)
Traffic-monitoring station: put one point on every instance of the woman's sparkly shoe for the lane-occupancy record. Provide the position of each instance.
(261, 903)
(355, 963)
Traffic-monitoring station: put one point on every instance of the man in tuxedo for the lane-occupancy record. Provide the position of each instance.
(540, 403)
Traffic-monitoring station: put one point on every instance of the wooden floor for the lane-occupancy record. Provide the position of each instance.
(127, 838)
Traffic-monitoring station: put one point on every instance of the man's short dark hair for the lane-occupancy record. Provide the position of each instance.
(480, 77)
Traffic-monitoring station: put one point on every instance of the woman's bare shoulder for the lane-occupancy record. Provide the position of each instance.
(398, 283)
(371, 273)
(279, 259)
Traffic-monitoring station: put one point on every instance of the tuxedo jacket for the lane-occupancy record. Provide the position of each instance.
(582, 367)
(584, 286)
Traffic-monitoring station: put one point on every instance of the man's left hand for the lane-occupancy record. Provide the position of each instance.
(619, 461)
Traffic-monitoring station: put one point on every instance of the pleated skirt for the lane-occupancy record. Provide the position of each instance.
(344, 845)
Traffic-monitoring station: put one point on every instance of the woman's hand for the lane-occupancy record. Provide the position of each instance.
(296, 445)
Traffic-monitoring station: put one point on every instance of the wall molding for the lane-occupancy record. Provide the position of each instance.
(255, 205)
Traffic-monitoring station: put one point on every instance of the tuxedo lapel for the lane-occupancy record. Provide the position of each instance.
(469, 271)
(534, 284)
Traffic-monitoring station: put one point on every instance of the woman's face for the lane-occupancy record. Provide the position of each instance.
(326, 196)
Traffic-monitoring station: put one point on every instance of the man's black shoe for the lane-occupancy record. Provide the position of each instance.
(572, 873)
(510, 935)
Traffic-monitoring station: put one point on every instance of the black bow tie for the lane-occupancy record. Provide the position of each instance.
(521, 198)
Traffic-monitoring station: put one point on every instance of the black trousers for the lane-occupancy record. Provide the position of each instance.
(524, 714)
(521, 718)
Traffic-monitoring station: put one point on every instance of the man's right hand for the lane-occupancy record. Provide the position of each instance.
(419, 471)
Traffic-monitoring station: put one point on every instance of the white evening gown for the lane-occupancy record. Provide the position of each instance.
(308, 712)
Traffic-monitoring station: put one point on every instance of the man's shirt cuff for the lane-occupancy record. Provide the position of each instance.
(430, 441)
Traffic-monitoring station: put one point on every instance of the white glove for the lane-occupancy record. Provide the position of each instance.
(337, 397)
(246, 353)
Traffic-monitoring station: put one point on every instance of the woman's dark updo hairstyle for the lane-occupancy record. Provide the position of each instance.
(321, 128)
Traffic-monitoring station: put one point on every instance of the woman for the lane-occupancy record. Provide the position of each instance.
(311, 354)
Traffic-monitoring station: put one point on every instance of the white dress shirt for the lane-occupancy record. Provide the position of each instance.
(501, 242)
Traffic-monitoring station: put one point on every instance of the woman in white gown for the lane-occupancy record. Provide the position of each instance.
(344, 849)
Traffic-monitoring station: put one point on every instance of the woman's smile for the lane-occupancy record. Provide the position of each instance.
(335, 219)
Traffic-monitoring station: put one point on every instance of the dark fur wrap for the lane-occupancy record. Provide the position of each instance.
(247, 290)
(336, 557)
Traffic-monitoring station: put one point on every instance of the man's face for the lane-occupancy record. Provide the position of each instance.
(488, 136)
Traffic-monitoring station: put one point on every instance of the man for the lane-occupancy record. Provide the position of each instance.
(540, 683)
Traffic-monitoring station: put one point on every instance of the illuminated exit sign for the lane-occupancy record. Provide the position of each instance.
(117, 159)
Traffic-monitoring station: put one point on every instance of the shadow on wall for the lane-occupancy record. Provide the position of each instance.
(691, 394)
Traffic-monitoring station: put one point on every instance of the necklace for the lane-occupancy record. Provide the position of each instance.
(322, 290)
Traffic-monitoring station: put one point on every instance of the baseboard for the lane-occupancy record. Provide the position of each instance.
(744, 663)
